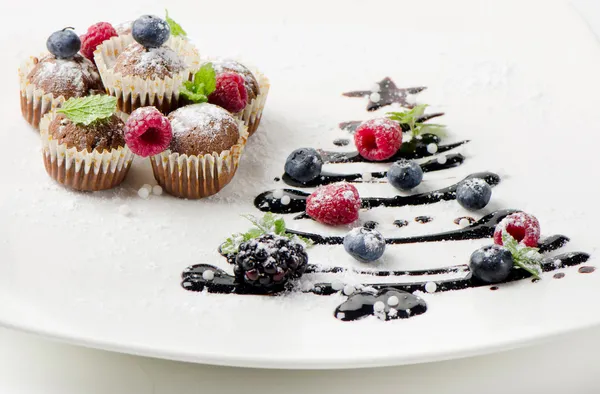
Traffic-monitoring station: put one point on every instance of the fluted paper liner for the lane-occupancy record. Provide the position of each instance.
(133, 92)
(83, 170)
(195, 177)
(252, 114)
(35, 102)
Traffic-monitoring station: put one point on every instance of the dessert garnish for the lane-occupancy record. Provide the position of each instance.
(230, 92)
(334, 204)
(63, 44)
(204, 83)
(385, 93)
(87, 110)
(268, 224)
(524, 257)
(304, 164)
(405, 174)
(147, 132)
(364, 244)
(414, 120)
(150, 31)
(473, 194)
(523, 227)
(176, 29)
(491, 264)
(378, 139)
(96, 35)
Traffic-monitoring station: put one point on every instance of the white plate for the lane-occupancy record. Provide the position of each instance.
(518, 82)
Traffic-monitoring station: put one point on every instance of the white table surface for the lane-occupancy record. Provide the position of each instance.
(29, 364)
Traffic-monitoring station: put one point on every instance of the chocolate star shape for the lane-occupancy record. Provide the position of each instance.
(389, 93)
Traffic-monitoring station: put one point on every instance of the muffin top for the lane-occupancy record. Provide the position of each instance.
(76, 77)
(200, 129)
(101, 135)
(152, 63)
(252, 86)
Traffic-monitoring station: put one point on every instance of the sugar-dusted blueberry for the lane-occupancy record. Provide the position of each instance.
(473, 194)
(150, 31)
(304, 164)
(364, 244)
(491, 264)
(405, 174)
(63, 44)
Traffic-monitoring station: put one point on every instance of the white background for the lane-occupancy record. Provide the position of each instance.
(568, 364)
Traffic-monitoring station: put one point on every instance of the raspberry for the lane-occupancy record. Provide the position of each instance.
(378, 139)
(95, 36)
(230, 93)
(147, 132)
(269, 262)
(334, 204)
(523, 227)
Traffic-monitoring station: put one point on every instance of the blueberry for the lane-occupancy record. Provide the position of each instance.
(304, 164)
(364, 244)
(63, 44)
(491, 264)
(150, 31)
(405, 174)
(473, 194)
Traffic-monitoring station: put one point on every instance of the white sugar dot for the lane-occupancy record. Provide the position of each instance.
(144, 193)
(278, 194)
(375, 97)
(430, 287)
(367, 177)
(375, 88)
(148, 187)
(125, 210)
(464, 222)
(411, 99)
(442, 159)
(393, 312)
(337, 285)
(208, 275)
(349, 290)
(285, 200)
(432, 148)
(341, 315)
(157, 190)
(379, 306)
(393, 301)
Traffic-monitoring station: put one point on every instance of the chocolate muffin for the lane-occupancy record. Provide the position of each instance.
(106, 134)
(252, 86)
(76, 77)
(152, 63)
(201, 129)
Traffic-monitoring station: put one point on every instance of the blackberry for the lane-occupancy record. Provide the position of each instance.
(269, 262)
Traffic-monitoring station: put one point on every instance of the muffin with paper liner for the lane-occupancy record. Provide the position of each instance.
(147, 67)
(49, 80)
(83, 144)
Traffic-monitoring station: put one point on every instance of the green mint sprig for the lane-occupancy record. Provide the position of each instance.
(87, 110)
(523, 256)
(411, 118)
(268, 224)
(204, 83)
(176, 29)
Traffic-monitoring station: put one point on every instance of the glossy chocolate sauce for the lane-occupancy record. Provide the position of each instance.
(389, 93)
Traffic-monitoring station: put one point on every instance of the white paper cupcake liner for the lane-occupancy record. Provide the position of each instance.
(195, 177)
(35, 102)
(133, 92)
(83, 170)
(252, 114)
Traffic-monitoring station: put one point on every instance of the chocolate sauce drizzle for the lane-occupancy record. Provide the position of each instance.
(360, 305)
(326, 178)
(389, 93)
(266, 202)
(414, 149)
(352, 125)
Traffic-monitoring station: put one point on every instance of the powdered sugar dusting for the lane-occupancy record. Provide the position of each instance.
(65, 74)
(204, 119)
(162, 60)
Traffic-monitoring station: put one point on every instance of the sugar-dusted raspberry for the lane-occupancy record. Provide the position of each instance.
(334, 204)
(148, 132)
(523, 227)
(95, 36)
(230, 93)
(378, 139)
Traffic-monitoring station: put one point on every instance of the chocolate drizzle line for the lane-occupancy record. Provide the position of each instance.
(326, 178)
(389, 93)
(266, 202)
(352, 125)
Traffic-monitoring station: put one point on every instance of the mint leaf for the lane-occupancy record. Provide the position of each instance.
(279, 226)
(204, 83)
(87, 110)
(523, 256)
(411, 119)
(176, 29)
